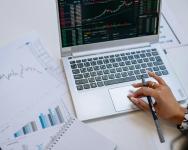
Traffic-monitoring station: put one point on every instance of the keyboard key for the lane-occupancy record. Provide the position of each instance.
(120, 80)
(128, 63)
(116, 65)
(72, 62)
(82, 81)
(143, 71)
(155, 53)
(106, 71)
(162, 67)
(125, 58)
(144, 65)
(150, 64)
(142, 55)
(118, 69)
(93, 85)
(96, 68)
(100, 84)
(91, 79)
(152, 59)
(137, 66)
(131, 67)
(148, 54)
(99, 62)
(84, 60)
(146, 59)
(155, 68)
(80, 65)
(130, 73)
(165, 72)
(83, 70)
(149, 69)
(158, 63)
(140, 61)
(103, 67)
(136, 72)
(86, 64)
(93, 63)
(139, 77)
(78, 76)
(95, 58)
(122, 54)
(118, 75)
(105, 77)
(99, 72)
(125, 68)
(131, 57)
(158, 73)
(74, 66)
(136, 56)
(145, 75)
(79, 87)
(86, 86)
(109, 66)
(86, 75)
(111, 76)
(75, 71)
(89, 69)
(134, 62)
(122, 64)
(112, 70)
(93, 74)
(118, 59)
(124, 74)
(78, 61)
(106, 61)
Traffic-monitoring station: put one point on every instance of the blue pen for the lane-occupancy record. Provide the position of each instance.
(154, 114)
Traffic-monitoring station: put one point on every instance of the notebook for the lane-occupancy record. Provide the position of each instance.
(77, 136)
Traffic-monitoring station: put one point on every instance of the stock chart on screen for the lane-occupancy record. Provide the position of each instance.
(93, 21)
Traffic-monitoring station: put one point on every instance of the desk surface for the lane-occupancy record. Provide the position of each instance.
(131, 131)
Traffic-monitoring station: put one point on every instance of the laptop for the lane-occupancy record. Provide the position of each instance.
(105, 47)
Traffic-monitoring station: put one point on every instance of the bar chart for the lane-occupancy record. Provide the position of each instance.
(45, 120)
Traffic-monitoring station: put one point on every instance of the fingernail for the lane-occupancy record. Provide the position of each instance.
(134, 100)
(130, 95)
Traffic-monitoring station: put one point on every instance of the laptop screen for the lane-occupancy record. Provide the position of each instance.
(93, 21)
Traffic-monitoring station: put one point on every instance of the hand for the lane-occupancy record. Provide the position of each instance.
(165, 103)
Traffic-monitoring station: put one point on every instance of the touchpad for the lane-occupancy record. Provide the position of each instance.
(120, 99)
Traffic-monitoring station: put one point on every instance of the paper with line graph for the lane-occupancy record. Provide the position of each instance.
(28, 77)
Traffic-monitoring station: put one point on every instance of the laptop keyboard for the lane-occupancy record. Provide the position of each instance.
(112, 69)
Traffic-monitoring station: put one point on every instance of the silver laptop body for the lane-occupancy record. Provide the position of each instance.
(93, 95)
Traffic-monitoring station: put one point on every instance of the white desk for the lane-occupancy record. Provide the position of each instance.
(131, 131)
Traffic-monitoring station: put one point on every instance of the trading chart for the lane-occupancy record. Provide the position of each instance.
(93, 21)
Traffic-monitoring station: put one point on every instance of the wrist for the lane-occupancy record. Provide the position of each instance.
(178, 119)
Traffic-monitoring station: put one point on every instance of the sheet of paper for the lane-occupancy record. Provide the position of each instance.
(167, 37)
(34, 141)
(31, 83)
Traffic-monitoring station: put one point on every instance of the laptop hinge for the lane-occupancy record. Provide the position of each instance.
(112, 49)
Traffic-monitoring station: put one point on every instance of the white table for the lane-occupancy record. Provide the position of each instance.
(132, 131)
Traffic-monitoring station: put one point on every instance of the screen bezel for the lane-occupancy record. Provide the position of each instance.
(67, 51)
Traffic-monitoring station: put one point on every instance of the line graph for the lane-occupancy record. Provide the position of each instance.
(19, 73)
(111, 11)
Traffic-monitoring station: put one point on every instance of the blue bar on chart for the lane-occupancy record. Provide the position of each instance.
(54, 117)
(28, 128)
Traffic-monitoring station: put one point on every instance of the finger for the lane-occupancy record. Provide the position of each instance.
(140, 103)
(157, 78)
(148, 84)
(145, 91)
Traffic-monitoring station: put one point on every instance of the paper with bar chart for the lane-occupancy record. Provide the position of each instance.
(32, 89)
